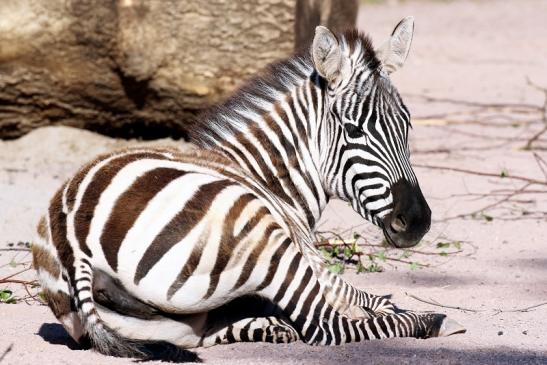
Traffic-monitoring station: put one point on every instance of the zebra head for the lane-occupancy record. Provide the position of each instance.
(369, 127)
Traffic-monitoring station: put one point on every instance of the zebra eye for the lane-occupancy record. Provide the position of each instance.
(353, 131)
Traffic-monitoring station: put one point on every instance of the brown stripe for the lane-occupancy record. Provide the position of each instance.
(57, 226)
(276, 258)
(193, 211)
(41, 229)
(59, 302)
(291, 305)
(233, 150)
(289, 277)
(42, 259)
(293, 150)
(307, 309)
(253, 257)
(129, 206)
(301, 130)
(75, 182)
(271, 181)
(190, 265)
(101, 180)
(228, 242)
(281, 170)
(293, 162)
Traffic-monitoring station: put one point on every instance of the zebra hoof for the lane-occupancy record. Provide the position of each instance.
(450, 327)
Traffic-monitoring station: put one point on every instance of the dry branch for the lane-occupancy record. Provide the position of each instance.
(497, 311)
(437, 304)
(487, 174)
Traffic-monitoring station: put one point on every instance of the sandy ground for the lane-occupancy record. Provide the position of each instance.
(467, 50)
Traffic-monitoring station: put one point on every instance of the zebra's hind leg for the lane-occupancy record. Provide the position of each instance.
(262, 329)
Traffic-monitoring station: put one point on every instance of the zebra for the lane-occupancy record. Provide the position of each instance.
(147, 247)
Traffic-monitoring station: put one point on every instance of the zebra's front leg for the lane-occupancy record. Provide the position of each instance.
(306, 301)
(350, 301)
(261, 329)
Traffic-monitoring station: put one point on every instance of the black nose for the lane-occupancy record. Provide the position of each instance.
(411, 217)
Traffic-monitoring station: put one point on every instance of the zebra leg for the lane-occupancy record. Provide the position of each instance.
(301, 296)
(348, 300)
(262, 329)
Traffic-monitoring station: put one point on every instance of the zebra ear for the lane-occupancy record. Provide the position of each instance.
(326, 54)
(394, 51)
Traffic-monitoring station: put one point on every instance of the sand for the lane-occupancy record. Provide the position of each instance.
(466, 50)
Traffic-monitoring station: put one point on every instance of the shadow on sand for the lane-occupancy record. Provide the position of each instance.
(55, 334)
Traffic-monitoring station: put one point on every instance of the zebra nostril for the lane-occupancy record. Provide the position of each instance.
(398, 223)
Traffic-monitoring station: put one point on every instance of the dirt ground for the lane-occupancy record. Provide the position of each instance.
(496, 262)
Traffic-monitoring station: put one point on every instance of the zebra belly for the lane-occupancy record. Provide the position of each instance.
(191, 247)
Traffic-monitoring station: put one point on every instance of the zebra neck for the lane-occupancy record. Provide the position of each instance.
(276, 142)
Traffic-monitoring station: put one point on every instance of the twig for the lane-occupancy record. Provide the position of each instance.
(480, 173)
(12, 275)
(17, 281)
(473, 103)
(523, 310)
(435, 303)
(538, 135)
(542, 164)
(10, 347)
(13, 169)
(490, 206)
(534, 138)
(407, 262)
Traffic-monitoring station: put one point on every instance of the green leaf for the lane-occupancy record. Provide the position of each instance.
(488, 217)
(414, 266)
(504, 173)
(356, 236)
(443, 253)
(381, 255)
(457, 244)
(336, 251)
(373, 267)
(42, 294)
(443, 245)
(6, 296)
(336, 268)
(326, 252)
(348, 253)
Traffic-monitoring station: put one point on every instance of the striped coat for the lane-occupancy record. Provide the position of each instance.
(157, 246)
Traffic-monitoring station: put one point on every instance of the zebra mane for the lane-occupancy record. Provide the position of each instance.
(259, 94)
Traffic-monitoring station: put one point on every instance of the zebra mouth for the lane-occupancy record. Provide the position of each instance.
(387, 236)
(397, 239)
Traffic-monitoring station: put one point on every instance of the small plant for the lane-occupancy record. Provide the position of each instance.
(7, 297)
(342, 254)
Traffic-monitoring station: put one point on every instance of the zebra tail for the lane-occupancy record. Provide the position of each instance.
(107, 340)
